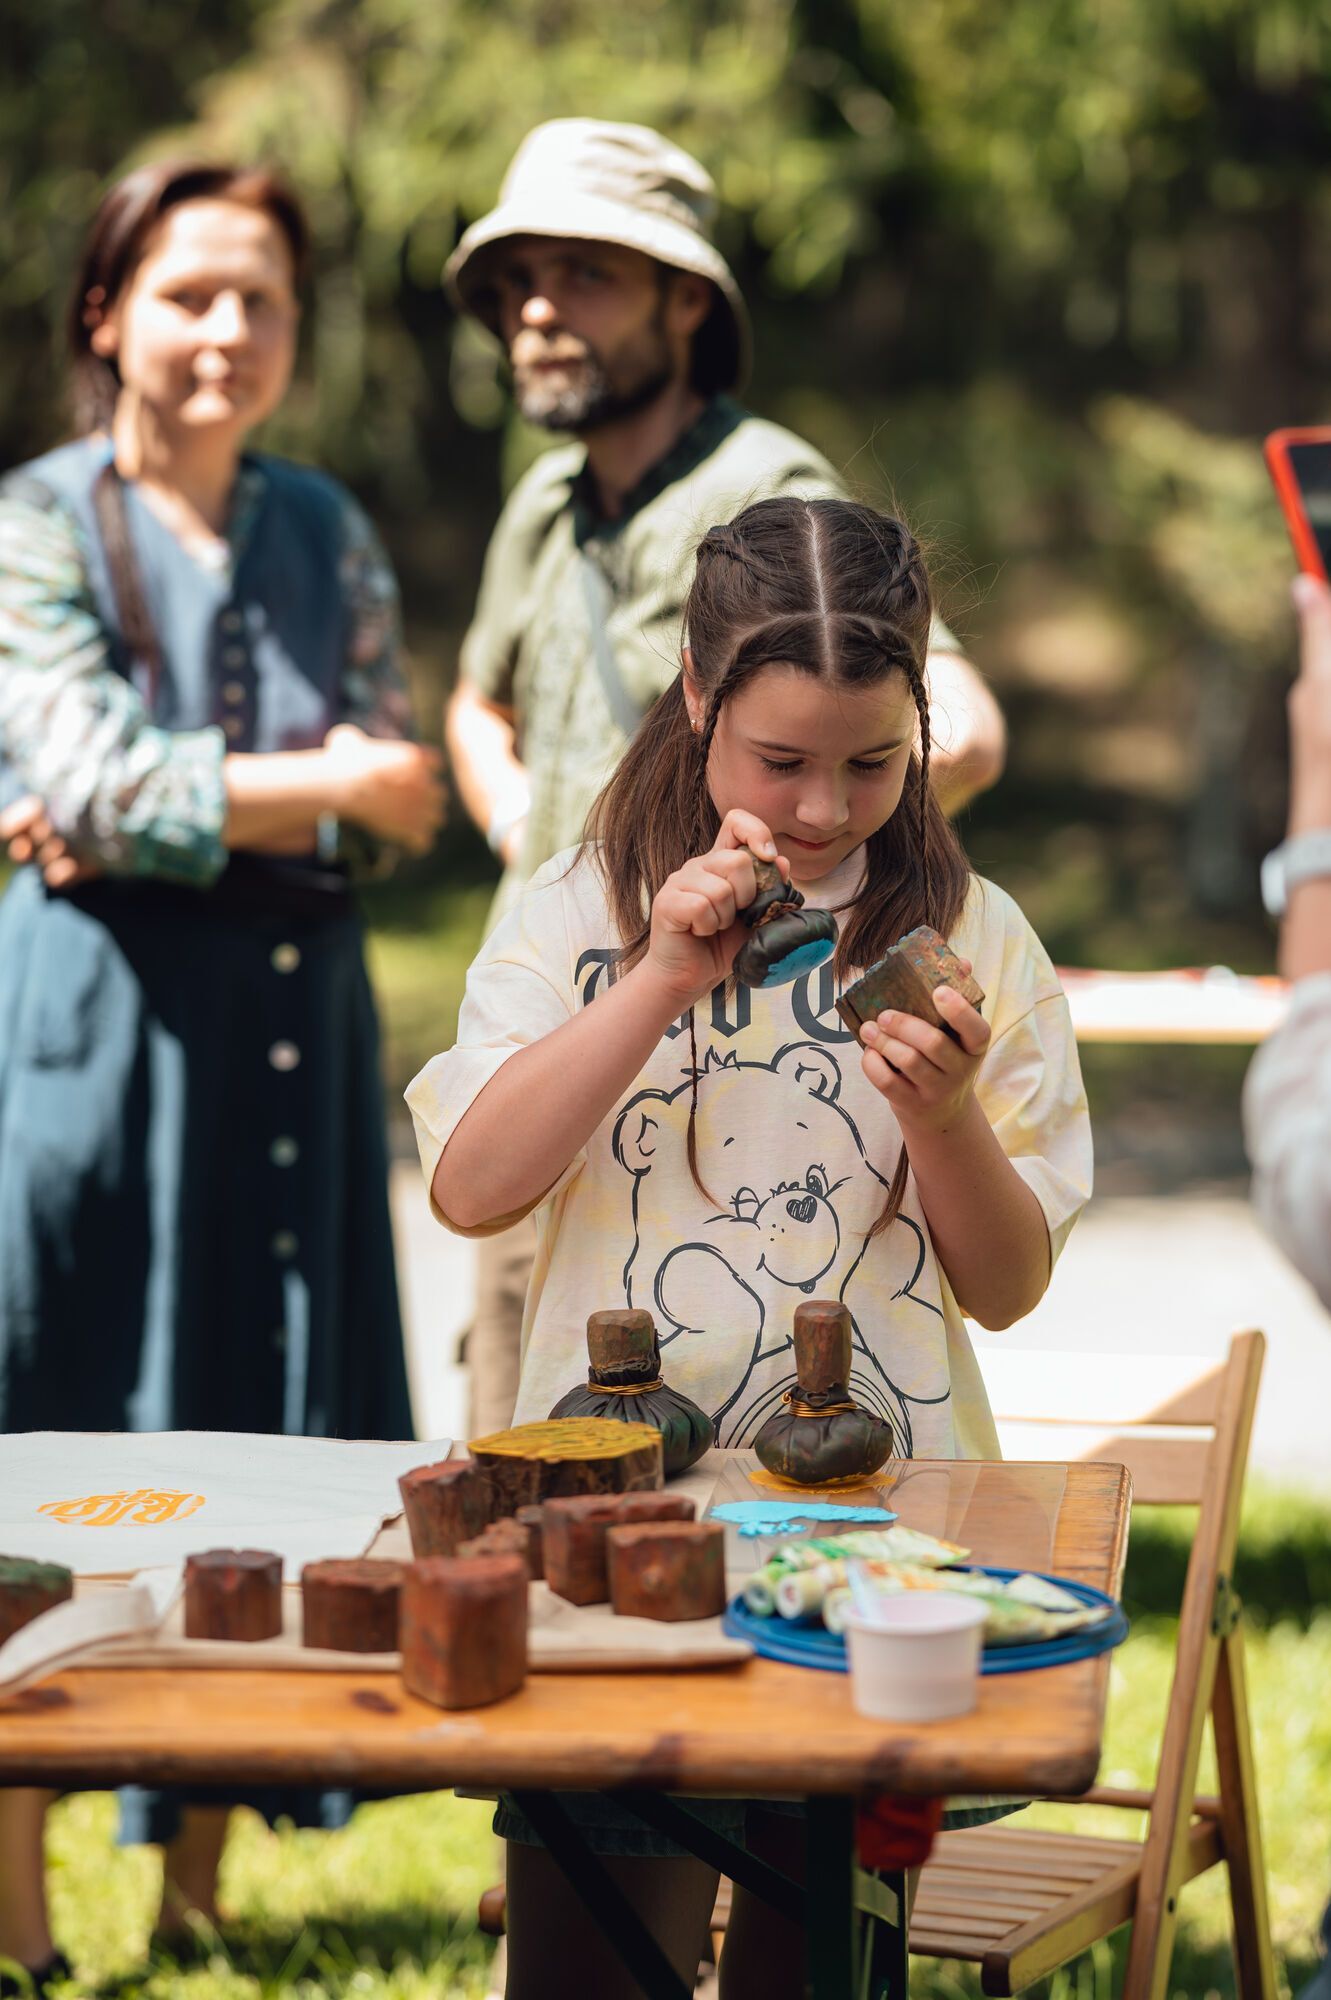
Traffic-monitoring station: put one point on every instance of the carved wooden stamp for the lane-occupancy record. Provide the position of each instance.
(444, 1504)
(351, 1607)
(233, 1594)
(667, 1569)
(566, 1455)
(501, 1538)
(574, 1534)
(905, 980)
(29, 1588)
(464, 1629)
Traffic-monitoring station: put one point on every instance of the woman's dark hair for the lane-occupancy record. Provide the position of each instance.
(120, 233)
(840, 593)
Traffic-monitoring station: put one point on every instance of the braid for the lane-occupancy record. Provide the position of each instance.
(705, 739)
(916, 681)
(692, 1138)
(721, 539)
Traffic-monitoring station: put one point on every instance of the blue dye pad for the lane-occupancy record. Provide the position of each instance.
(784, 1517)
(803, 959)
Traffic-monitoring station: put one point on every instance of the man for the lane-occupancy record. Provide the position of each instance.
(626, 331)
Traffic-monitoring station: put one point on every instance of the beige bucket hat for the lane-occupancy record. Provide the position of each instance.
(602, 183)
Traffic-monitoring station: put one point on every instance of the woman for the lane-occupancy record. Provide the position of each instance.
(202, 704)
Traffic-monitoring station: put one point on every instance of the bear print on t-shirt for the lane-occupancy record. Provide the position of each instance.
(794, 1198)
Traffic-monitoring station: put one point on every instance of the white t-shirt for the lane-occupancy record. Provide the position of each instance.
(797, 1151)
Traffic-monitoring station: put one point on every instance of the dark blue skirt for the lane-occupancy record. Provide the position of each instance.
(194, 1223)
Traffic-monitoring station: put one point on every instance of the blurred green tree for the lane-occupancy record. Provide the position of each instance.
(1044, 271)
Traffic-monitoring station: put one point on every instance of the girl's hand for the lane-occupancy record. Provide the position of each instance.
(695, 917)
(923, 1074)
(392, 789)
(26, 830)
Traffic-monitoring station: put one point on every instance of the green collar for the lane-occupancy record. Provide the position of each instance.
(711, 428)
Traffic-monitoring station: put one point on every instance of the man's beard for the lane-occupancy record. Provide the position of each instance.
(586, 399)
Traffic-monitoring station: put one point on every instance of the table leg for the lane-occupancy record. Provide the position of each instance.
(624, 1929)
(830, 1931)
(856, 1931)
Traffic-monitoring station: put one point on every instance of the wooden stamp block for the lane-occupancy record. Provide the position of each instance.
(501, 1538)
(905, 979)
(444, 1504)
(464, 1629)
(233, 1594)
(667, 1569)
(574, 1532)
(530, 1519)
(567, 1455)
(29, 1588)
(351, 1607)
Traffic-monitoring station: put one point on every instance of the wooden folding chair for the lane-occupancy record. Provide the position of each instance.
(1022, 1903)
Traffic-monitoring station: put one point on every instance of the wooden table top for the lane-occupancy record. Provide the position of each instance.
(751, 1730)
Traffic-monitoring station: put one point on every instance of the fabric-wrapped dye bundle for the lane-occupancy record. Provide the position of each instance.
(786, 938)
(821, 1434)
(624, 1382)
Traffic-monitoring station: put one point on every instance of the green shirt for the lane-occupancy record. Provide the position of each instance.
(530, 646)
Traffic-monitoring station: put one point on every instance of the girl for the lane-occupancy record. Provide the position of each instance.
(201, 699)
(715, 1153)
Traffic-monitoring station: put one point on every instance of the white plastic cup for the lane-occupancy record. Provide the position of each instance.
(918, 1658)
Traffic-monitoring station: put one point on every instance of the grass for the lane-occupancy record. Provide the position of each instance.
(421, 942)
(386, 1908)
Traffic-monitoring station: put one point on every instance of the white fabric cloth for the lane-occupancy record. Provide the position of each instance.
(107, 1504)
(797, 1148)
(1287, 1125)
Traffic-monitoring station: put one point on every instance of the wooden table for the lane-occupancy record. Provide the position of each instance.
(758, 1730)
(1195, 1005)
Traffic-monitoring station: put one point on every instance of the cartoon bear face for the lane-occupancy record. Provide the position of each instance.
(789, 1214)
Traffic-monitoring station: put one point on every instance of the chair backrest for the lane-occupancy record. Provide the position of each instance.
(1183, 1429)
(1157, 1414)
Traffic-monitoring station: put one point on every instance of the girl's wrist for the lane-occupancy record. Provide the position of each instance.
(659, 998)
(958, 1128)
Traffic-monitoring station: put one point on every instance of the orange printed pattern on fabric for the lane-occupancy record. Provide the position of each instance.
(146, 1507)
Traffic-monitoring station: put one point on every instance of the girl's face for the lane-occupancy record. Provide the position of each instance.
(823, 765)
(204, 332)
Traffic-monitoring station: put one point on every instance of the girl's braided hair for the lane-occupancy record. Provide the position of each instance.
(838, 592)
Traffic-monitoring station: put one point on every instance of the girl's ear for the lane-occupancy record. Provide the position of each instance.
(104, 339)
(693, 701)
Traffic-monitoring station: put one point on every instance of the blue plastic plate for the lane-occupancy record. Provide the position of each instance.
(814, 1646)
